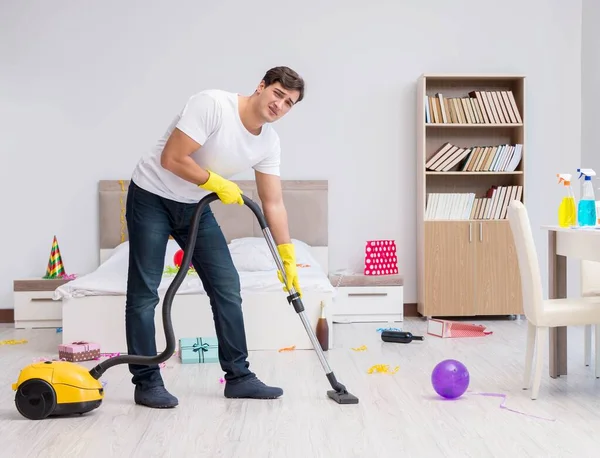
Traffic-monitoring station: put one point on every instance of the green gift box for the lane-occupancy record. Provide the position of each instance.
(199, 350)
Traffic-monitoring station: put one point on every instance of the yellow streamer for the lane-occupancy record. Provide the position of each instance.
(122, 210)
(12, 342)
(383, 368)
(362, 348)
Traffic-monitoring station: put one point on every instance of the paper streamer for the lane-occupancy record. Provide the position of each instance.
(361, 348)
(503, 406)
(12, 342)
(107, 355)
(292, 348)
(383, 368)
(388, 329)
(122, 215)
(172, 270)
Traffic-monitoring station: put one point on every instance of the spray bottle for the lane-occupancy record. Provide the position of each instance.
(567, 213)
(598, 209)
(586, 212)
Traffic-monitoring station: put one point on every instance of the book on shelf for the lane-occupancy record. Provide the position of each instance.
(491, 158)
(468, 206)
(479, 107)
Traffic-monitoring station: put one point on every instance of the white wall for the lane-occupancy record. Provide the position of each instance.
(590, 89)
(86, 89)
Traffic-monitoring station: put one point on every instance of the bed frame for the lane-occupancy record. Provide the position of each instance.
(270, 322)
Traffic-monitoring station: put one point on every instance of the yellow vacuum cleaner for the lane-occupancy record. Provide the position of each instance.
(59, 388)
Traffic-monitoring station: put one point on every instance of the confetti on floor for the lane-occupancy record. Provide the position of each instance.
(383, 368)
(12, 342)
(362, 348)
(292, 348)
(388, 329)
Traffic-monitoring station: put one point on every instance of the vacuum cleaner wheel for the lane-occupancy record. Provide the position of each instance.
(35, 399)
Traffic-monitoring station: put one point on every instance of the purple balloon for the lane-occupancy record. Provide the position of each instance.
(450, 379)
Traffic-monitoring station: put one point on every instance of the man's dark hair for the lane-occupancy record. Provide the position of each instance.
(287, 77)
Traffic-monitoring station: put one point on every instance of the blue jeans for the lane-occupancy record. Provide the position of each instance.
(151, 219)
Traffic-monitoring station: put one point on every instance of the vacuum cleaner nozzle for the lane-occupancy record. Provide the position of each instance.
(339, 393)
(342, 397)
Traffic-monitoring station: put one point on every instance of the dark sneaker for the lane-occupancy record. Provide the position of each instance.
(251, 388)
(156, 397)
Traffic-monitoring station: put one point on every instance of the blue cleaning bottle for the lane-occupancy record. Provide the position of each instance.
(586, 210)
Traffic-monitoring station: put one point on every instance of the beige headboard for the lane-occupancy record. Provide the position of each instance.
(306, 204)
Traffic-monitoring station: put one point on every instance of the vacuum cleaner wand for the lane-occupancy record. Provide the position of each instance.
(339, 393)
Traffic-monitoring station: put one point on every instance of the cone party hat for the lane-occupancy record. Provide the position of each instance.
(55, 268)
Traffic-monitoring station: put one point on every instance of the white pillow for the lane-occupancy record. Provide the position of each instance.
(252, 254)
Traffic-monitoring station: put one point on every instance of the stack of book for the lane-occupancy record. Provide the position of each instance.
(465, 206)
(497, 158)
(480, 107)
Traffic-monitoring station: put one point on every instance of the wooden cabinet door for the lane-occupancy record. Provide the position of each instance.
(449, 268)
(497, 278)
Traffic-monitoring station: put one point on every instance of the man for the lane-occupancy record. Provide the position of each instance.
(216, 135)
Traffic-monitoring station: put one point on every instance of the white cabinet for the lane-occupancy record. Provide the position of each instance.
(33, 303)
(367, 299)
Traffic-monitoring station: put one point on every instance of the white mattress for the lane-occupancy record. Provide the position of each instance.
(251, 256)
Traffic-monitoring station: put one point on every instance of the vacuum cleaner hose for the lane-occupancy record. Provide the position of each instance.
(99, 370)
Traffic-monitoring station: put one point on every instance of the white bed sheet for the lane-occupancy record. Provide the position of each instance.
(110, 278)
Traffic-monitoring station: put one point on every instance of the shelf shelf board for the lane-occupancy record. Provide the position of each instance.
(450, 124)
(463, 220)
(472, 76)
(517, 172)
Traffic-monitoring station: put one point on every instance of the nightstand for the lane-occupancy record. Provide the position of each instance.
(360, 298)
(33, 303)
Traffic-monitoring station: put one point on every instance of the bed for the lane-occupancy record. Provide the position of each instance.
(93, 305)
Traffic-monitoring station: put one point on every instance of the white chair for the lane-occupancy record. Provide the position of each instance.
(543, 314)
(590, 287)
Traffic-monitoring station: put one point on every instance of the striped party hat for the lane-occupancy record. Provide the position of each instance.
(55, 268)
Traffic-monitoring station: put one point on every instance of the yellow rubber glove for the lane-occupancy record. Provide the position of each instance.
(288, 256)
(228, 191)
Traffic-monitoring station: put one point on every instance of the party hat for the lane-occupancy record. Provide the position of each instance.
(55, 268)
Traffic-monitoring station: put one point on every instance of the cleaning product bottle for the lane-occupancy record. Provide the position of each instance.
(586, 212)
(322, 332)
(567, 213)
(598, 210)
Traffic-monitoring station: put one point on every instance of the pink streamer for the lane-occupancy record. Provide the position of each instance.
(503, 406)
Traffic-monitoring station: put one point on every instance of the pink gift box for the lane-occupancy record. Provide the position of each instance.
(79, 351)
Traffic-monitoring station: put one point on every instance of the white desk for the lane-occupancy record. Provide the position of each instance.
(563, 243)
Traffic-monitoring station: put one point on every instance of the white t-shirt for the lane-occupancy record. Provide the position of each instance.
(212, 119)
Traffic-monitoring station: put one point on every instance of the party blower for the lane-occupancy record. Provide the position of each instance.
(57, 388)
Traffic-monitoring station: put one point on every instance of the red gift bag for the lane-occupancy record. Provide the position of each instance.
(380, 257)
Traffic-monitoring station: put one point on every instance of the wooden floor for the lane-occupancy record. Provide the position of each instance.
(398, 415)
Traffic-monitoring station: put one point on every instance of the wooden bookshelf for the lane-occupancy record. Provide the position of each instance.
(471, 164)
